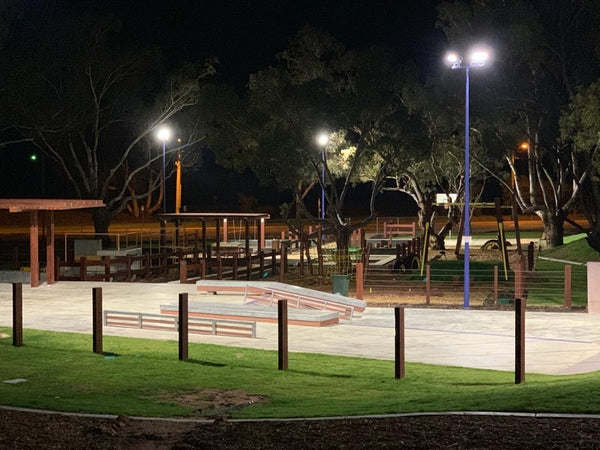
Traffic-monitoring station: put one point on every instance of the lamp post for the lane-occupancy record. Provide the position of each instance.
(164, 134)
(322, 140)
(477, 58)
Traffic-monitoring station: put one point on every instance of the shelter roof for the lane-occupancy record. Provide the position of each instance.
(36, 204)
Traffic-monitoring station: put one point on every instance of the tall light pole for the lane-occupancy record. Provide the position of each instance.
(164, 134)
(322, 140)
(477, 58)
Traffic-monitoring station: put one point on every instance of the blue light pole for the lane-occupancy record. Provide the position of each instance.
(477, 59)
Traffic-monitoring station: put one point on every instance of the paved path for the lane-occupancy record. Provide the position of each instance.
(556, 343)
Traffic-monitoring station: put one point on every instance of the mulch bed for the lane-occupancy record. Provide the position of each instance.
(28, 430)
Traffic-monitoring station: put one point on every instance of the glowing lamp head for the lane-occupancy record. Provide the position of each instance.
(478, 58)
(323, 139)
(163, 133)
(453, 60)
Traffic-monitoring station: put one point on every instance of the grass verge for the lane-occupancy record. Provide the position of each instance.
(146, 379)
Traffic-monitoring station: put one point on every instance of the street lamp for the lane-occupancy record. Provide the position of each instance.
(323, 140)
(477, 58)
(163, 133)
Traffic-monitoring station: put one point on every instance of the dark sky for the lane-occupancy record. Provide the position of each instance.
(246, 35)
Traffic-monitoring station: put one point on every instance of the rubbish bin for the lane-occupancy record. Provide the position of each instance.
(340, 284)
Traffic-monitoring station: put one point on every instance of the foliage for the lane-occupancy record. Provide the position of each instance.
(540, 57)
(580, 127)
(319, 85)
(145, 377)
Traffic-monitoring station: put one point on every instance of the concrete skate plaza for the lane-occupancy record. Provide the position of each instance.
(556, 343)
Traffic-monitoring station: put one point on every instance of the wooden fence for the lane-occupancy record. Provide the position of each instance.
(127, 268)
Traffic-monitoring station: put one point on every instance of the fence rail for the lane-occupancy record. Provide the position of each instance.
(487, 286)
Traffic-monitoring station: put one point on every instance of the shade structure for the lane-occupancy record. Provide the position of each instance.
(35, 207)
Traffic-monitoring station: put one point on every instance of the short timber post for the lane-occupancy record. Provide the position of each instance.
(97, 319)
(17, 295)
(183, 327)
(519, 341)
(399, 342)
(282, 334)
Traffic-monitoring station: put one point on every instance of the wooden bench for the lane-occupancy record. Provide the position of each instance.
(169, 322)
(396, 229)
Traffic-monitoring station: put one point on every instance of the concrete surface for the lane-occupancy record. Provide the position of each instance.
(556, 343)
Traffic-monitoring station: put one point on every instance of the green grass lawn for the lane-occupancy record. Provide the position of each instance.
(545, 285)
(63, 374)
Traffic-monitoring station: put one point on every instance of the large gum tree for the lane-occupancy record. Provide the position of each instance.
(91, 105)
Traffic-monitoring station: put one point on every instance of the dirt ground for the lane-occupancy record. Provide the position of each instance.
(26, 430)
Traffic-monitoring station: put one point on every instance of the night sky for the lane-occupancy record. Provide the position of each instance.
(245, 36)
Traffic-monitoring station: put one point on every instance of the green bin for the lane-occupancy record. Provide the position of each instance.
(340, 284)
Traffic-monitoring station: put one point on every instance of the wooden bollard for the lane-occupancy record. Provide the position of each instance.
(183, 326)
(17, 295)
(399, 357)
(519, 340)
(282, 334)
(97, 319)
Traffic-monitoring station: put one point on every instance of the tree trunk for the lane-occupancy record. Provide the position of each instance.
(101, 218)
(553, 223)
(342, 240)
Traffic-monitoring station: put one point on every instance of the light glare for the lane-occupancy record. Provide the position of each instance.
(479, 57)
(453, 58)
(323, 139)
(163, 133)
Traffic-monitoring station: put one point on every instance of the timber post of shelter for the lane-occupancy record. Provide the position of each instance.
(17, 295)
(97, 320)
(47, 208)
(220, 223)
(183, 327)
(399, 343)
(282, 334)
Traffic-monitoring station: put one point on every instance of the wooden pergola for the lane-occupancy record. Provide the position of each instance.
(47, 207)
(221, 218)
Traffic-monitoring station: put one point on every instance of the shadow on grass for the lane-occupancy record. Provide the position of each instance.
(499, 383)
(206, 363)
(318, 374)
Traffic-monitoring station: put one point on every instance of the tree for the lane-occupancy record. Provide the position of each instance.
(92, 105)
(580, 127)
(320, 85)
(543, 51)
